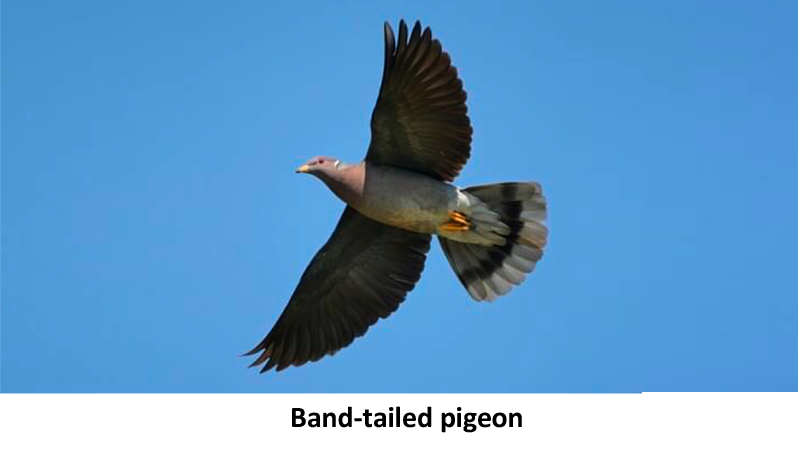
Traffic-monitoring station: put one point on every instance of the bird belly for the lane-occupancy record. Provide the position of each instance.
(404, 199)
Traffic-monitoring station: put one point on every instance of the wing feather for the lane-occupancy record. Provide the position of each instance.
(420, 122)
(362, 274)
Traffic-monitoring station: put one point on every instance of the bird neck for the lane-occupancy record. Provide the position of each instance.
(347, 182)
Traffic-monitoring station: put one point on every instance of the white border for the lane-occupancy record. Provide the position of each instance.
(707, 424)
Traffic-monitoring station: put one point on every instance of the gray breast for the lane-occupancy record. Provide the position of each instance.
(405, 199)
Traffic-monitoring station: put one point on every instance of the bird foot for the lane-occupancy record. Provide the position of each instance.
(458, 222)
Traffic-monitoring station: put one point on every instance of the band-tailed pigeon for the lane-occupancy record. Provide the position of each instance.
(397, 198)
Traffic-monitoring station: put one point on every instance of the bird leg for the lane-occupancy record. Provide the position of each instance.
(458, 222)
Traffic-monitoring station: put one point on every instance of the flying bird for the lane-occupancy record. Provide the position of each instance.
(397, 198)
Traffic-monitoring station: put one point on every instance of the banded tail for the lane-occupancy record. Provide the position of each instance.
(488, 272)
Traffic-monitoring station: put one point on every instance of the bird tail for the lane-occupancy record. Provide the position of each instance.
(490, 271)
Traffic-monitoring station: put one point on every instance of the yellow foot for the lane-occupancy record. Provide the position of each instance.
(458, 222)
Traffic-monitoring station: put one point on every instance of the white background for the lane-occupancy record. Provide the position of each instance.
(706, 424)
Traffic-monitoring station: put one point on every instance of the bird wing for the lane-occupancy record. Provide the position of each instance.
(362, 273)
(420, 122)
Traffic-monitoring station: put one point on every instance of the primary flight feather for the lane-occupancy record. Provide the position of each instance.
(397, 198)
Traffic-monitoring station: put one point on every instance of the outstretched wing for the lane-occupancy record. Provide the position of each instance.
(420, 122)
(362, 273)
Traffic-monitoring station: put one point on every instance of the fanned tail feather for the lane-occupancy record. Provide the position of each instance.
(488, 272)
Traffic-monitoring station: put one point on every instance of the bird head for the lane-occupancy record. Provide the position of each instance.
(320, 166)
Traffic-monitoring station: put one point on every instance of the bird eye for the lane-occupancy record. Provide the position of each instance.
(321, 160)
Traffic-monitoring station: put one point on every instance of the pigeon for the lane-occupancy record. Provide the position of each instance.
(397, 198)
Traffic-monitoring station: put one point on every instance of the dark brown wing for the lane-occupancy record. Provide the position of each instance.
(420, 122)
(362, 273)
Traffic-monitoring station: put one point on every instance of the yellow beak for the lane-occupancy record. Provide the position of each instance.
(303, 169)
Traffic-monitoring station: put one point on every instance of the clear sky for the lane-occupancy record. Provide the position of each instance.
(153, 227)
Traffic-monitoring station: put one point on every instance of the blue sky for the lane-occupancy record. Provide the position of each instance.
(153, 228)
